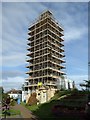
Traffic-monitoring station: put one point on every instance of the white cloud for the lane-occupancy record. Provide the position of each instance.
(15, 83)
(16, 19)
(45, 1)
(70, 17)
(75, 34)
(0, 82)
(78, 78)
(1, 31)
(14, 60)
(15, 79)
(12, 73)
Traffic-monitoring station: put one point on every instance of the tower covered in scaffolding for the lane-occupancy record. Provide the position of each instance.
(45, 55)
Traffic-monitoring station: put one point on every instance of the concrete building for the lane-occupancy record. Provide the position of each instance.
(45, 58)
(69, 84)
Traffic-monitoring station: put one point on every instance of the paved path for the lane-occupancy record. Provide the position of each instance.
(25, 113)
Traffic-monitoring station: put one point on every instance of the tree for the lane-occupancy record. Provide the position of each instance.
(86, 84)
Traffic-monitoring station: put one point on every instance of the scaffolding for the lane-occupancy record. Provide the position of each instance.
(45, 52)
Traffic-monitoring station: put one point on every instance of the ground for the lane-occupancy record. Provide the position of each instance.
(25, 113)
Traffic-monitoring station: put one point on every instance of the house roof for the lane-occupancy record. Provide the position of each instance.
(13, 91)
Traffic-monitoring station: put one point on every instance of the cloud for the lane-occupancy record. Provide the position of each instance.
(74, 23)
(15, 79)
(45, 1)
(17, 17)
(13, 83)
(75, 34)
(0, 82)
(9, 73)
(78, 79)
(0, 29)
(14, 60)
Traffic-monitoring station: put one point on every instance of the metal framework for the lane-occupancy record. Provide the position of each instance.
(45, 52)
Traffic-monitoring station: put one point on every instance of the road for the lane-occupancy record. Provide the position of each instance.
(25, 113)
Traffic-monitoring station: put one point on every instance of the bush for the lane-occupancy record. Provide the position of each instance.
(14, 112)
(57, 110)
(12, 102)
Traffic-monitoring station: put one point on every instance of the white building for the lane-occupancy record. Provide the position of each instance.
(64, 83)
(69, 84)
(15, 94)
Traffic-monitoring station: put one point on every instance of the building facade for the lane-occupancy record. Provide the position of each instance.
(15, 94)
(45, 58)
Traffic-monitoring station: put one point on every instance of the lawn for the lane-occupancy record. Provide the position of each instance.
(75, 101)
(10, 112)
(14, 112)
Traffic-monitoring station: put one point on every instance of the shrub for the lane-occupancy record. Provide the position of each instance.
(12, 102)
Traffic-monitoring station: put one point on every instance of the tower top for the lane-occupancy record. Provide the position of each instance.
(46, 13)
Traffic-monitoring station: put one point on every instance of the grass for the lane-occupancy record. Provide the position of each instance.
(44, 112)
(14, 112)
(60, 94)
(11, 112)
(33, 107)
(74, 99)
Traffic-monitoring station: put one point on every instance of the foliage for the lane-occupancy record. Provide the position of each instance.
(75, 99)
(33, 107)
(12, 102)
(59, 94)
(14, 112)
(11, 112)
(5, 99)
(4, 96)
(86, 84)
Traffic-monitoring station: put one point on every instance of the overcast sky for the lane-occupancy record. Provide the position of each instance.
(17, 17)
(44, 0)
